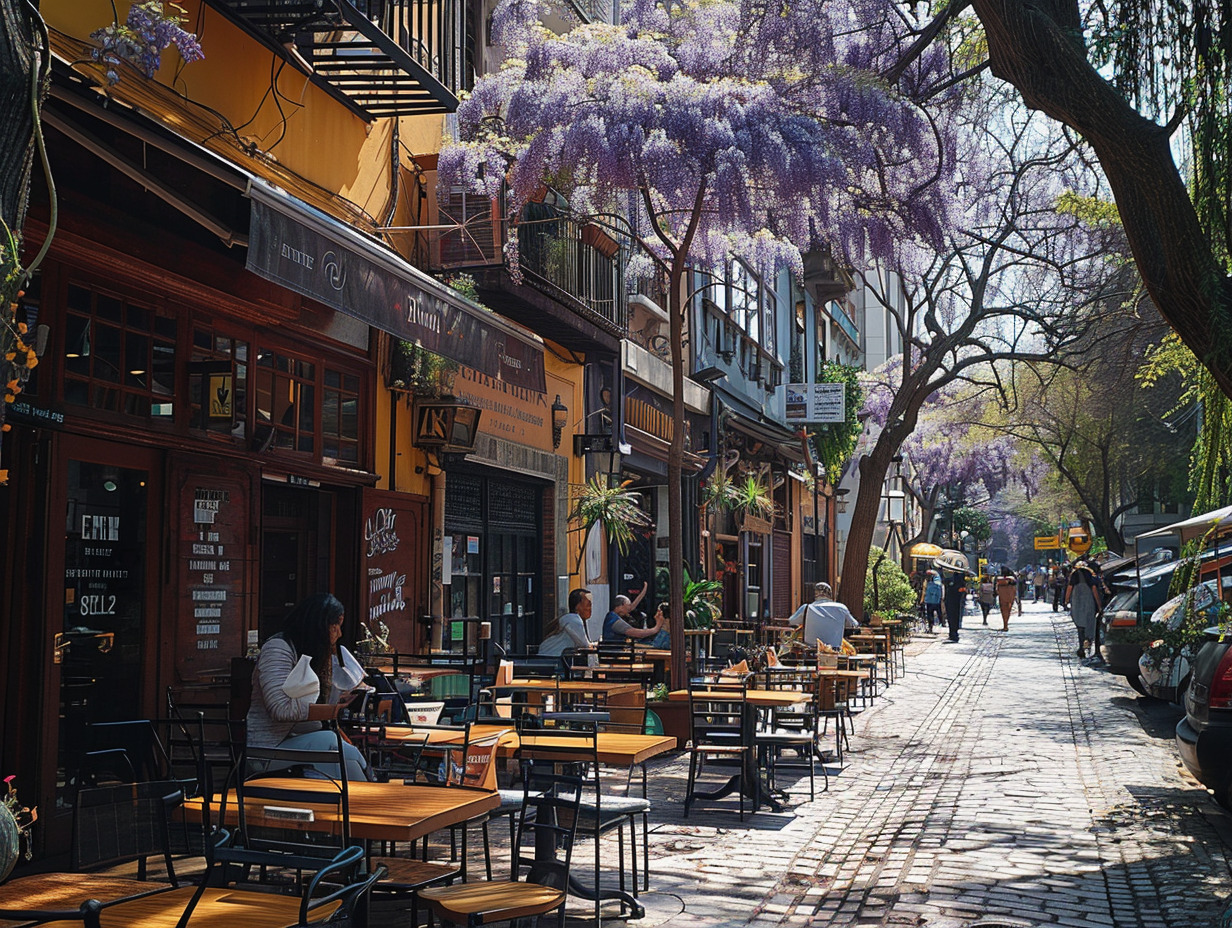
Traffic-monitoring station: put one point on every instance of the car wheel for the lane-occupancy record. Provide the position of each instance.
(1136, 683)
(1224, 798)
(1181, 689)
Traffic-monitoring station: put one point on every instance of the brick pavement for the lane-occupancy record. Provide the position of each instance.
(999, 783)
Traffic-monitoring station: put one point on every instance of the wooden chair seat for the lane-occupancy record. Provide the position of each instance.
(407, 873)
(718, 749)
(60, 891)
(222, 906)
(481, 903)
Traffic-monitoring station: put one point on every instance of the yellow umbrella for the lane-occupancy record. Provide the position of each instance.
(924, 549)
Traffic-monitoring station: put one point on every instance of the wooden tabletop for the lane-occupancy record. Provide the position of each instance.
(383, 811)
(616, 749)
(218, 906)
(760, 698)
(609, 687)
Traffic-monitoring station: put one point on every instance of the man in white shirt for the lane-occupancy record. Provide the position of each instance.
(570, 631)
(824, 619)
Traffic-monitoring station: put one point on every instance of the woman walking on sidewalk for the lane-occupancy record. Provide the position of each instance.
(1082, 596)
(930, 596)
(1007, 596)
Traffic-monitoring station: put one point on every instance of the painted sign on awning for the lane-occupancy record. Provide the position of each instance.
(315, 255)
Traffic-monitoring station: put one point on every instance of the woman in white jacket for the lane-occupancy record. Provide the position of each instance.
(301, 676)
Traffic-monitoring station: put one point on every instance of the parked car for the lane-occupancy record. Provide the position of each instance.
(1204, 735)
(1136, 593)
(1164, 673)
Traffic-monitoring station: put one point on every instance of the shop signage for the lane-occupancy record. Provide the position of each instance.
(212, 563)
(511, 412)
(393, 525)
(380, 289)
(21, 411)
(816, 403)
(1047, 542)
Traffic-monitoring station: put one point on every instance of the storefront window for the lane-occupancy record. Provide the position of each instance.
(218, 382)
(119, 355)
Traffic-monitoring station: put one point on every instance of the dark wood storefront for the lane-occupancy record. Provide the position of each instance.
(181, 472)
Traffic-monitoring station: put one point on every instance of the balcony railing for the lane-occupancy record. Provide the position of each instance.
(380, 57)
(571, 260)
(594, 11)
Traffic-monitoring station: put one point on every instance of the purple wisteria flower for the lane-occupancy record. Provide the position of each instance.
(778, 118)
(150, 28)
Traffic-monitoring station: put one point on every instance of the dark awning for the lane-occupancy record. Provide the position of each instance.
(305, 250)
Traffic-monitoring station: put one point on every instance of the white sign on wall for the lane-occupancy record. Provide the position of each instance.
(816, 403)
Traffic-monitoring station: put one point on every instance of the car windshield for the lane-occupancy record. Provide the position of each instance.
(1124, 601)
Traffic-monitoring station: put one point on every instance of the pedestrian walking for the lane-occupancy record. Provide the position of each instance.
(930, 596)
(1083, 597)
(1059, 580)
(986, 596)
(955, 584)
(1040, 580)
(1008, 597)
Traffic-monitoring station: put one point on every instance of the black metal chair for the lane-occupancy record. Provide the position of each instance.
(112, 825)
(719, 731)
(548, 819)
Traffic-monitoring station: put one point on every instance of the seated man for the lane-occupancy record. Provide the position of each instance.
(824, 619)
(616, 626)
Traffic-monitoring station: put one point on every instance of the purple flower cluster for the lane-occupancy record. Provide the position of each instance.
(151, 27)
(778, 115)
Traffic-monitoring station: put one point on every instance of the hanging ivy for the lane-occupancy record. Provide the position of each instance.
(835, 442)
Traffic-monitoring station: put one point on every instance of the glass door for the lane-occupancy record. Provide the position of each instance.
(513, 565)
(100, 648)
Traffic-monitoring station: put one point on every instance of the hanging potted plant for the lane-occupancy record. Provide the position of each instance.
(617, 508)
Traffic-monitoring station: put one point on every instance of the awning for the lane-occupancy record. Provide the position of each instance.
(298, 237)
(780, 437)
(1193, 527)
(305, 250)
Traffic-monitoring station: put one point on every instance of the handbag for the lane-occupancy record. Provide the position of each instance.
(348, 673)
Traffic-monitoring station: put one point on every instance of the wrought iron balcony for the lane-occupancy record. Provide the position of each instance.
(379, 57)
(573, 261)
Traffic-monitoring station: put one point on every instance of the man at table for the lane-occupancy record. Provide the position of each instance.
(616, 626)
(570, 630)
(823, 619)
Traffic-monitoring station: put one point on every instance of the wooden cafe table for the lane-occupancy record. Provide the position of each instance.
(754, 787)
(382, 811)
(616, 749)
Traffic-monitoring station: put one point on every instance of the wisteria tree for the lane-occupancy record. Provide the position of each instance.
(733, 128)
(1009, 285)
(952, 452)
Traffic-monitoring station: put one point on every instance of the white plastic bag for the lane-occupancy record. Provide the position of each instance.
(348, 673)
(302, 682)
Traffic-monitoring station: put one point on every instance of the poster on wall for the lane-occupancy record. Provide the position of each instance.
(394, 570)
(213, 564)
(816, 403)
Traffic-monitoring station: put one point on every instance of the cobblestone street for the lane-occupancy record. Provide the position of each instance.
(999, 783)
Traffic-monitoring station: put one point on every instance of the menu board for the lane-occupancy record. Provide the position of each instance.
(394, 567)
(213, 570)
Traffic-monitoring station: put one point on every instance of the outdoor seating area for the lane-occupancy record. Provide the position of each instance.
(179, 822)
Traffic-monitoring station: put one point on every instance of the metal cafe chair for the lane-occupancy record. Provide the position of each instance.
(548, 819)
(112, 825)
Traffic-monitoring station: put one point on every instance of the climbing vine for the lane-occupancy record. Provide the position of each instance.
(835, 442)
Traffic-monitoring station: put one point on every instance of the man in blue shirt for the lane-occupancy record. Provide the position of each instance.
(930, 596)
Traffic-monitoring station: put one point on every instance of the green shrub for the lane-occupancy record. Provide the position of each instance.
(894, 592)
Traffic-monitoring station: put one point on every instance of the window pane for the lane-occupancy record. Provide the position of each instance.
(350, 419)
(109, 308)
(106, 353)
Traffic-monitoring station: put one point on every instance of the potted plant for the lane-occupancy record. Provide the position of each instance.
(616, 508)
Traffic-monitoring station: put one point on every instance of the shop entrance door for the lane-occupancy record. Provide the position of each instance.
(296, 524)
(103, 656)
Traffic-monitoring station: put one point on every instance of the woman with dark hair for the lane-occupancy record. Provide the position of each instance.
(301, 676)
(1083, 599)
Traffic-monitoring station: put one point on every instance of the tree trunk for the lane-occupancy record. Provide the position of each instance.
(1037, 48)
(675, 470)
(873, 470)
